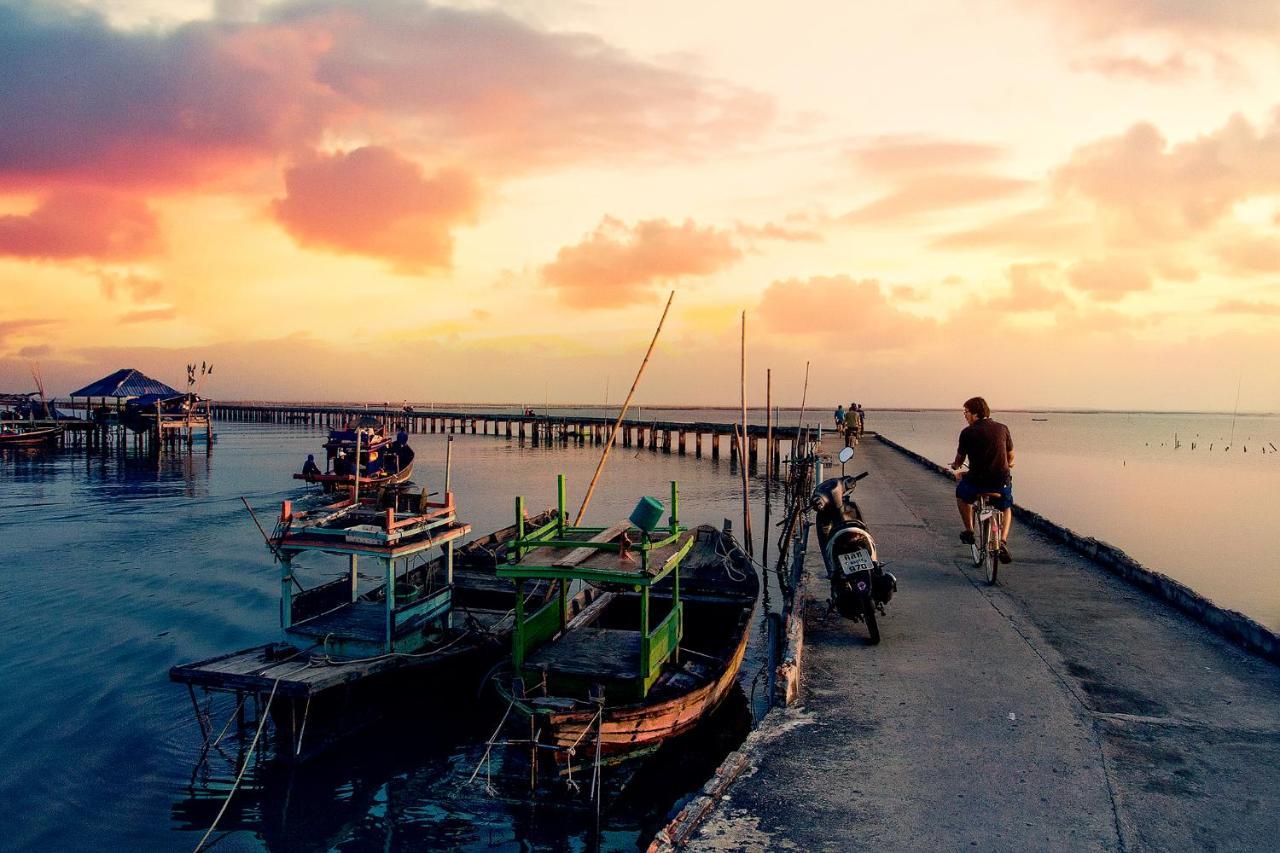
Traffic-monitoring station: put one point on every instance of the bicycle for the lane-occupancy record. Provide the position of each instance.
(988, 530)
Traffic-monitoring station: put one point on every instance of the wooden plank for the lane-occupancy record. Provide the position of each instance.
(578, 555)
(601, 652)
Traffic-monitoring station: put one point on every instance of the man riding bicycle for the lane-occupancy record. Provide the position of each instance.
(989, 449)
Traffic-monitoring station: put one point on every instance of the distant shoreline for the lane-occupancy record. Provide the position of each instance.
(458, 406)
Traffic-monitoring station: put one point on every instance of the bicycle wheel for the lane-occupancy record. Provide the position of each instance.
(991, 544)
(979, 545)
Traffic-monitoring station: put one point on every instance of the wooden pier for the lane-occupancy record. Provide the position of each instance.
(663, 436)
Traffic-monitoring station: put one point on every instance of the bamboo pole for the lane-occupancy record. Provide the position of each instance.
(613, 433)
(804, 396)
(743, 459)
(746, 501)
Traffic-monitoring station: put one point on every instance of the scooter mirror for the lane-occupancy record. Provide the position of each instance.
(845, 455)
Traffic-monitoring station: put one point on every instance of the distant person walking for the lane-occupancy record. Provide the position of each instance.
(840, 416)
(988, 446)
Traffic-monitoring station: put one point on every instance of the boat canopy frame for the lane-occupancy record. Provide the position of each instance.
(658, 643)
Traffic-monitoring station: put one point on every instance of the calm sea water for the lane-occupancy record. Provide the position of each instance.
(116, 568)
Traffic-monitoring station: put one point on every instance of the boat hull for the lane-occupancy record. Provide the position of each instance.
(633, 728)
(30, 438)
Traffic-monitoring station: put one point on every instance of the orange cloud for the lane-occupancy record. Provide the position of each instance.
(82, 224)
(1240, 306)
(371, 201)
(1030, 289)
(138, 288)
(616, 265)
(1248, 254)
(10, 329)
(897, 155)
(1109, 279)
(148, 315)
(1044, 230)
(774, 231)
(849, 314)
(934, 193)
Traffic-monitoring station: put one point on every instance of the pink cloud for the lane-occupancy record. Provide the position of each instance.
(618, 265)
(1190, 18)
(162, 110)
(11, 329)
(934, 193)
(82, 224)
(1148, 189)
(372, 201)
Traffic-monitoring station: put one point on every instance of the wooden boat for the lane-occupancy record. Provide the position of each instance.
(645, 661)
(15, 435)
(362, 449)
(348, 656)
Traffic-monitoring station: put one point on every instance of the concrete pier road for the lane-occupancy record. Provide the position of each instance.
(1059, 710)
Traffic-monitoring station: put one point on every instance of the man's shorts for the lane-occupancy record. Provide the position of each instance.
(968, 492)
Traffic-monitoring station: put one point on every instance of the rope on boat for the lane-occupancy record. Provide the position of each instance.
(488, 749)
(262, 722)
(572, 750)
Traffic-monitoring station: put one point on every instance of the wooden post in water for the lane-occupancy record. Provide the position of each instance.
(613, 434)
(768, 435)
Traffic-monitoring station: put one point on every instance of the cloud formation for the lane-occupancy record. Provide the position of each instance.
(910, 155)
(148, 315)
(617, 265)
(1109, 279)
(372, 201)
(935, 193)
(88, 104)
(82, 224)
(847, 312)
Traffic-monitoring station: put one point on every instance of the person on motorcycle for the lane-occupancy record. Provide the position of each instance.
(850, 426)
(989, 448)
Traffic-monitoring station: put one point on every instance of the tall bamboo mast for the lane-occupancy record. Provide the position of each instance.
(613, 433)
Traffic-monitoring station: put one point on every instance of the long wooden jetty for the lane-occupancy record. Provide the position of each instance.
(657, 435)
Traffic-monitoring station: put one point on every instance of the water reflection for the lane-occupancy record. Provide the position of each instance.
(405, 786)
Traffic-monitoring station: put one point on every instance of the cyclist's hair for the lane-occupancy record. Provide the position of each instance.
(977, 407)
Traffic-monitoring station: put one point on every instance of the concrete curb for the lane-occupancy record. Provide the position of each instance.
(1229, 624)
(672, 836)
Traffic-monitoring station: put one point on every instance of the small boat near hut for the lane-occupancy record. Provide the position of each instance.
(347, 655)
(361, 450)
(17, 435)
(651, 656)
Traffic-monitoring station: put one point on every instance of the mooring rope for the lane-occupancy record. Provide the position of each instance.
(262, 722)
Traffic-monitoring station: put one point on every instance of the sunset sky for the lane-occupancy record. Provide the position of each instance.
(1046, 202)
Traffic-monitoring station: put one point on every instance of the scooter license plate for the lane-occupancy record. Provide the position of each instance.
(855, 561)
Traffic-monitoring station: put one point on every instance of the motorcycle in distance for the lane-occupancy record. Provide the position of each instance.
(860, 587)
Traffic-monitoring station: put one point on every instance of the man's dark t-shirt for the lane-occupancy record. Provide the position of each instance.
(987, 443)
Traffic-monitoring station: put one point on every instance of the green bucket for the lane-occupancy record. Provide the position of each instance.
(648, 514)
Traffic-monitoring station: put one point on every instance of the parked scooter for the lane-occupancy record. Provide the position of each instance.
(860, 587)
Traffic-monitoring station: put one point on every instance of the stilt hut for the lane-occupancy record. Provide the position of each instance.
(147, 405)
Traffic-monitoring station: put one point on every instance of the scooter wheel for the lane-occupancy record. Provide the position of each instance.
(869, 616)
